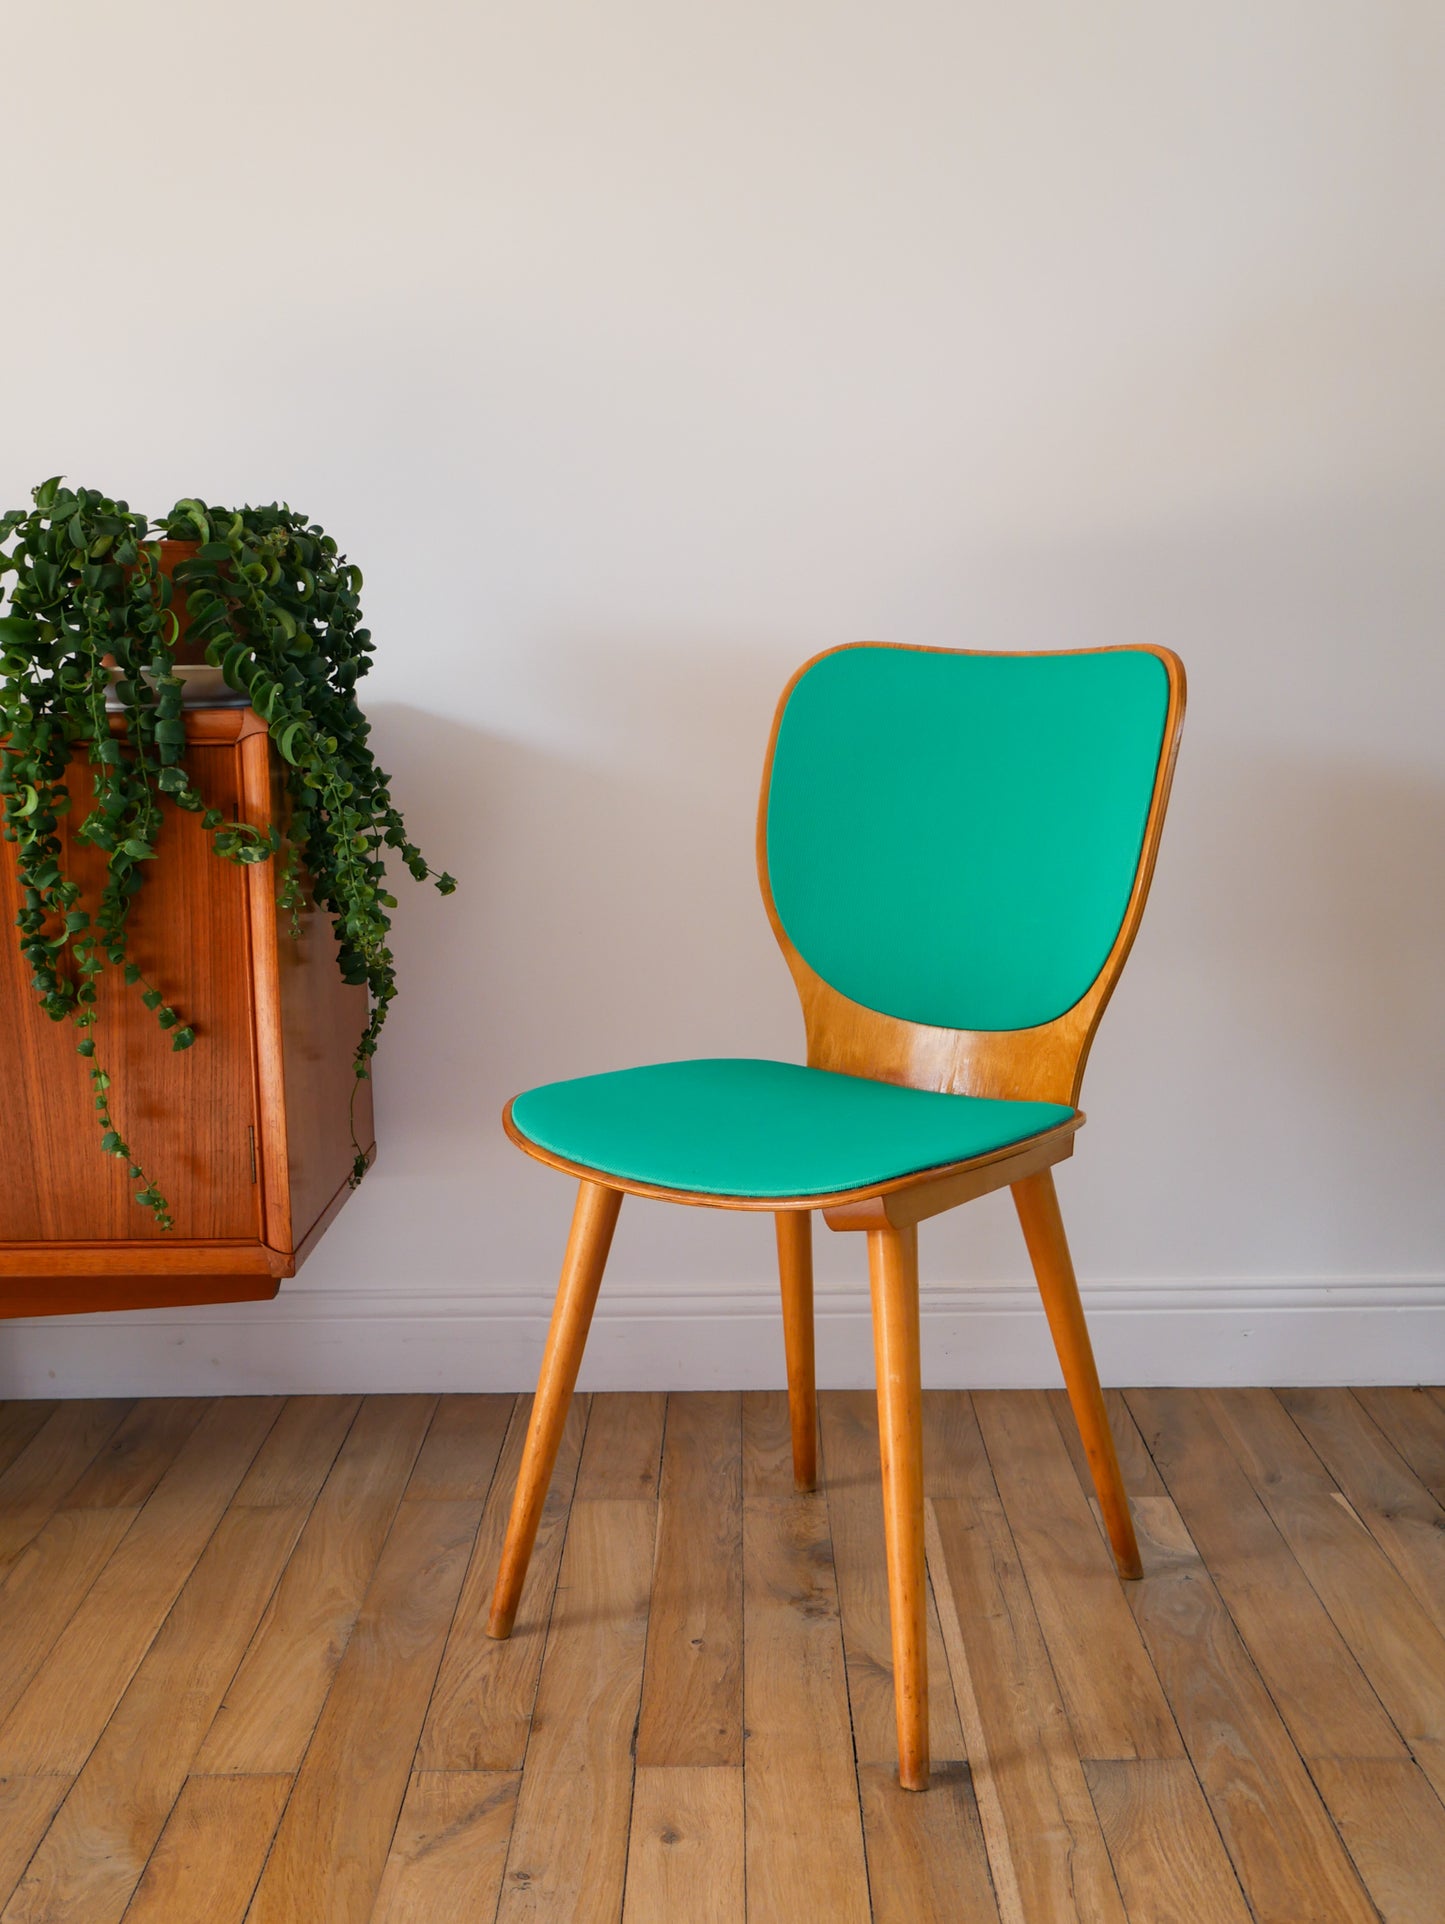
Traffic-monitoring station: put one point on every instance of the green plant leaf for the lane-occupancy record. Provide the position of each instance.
(233, 665)
(275, 606)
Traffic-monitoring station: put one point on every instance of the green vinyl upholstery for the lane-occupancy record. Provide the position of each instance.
(953, 838)
(737, 1127)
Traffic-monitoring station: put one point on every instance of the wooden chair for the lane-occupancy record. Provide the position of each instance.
(954, 851)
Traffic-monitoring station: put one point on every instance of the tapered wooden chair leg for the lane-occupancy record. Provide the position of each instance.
(795, 1273)
(893, 1273)
(593, 1222)
(1037, 1202)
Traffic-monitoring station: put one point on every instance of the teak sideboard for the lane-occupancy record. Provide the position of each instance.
(246, 1133)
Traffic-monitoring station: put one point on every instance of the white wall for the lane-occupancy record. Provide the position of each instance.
(639, 351)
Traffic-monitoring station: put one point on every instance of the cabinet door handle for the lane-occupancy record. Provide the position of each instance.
(251, 1146)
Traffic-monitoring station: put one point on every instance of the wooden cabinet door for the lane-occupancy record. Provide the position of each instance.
(190, 1118)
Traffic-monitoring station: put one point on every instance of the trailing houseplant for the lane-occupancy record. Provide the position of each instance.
(96, 602)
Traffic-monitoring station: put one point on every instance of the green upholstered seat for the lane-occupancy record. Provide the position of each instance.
(951, 839)
(743, 1128)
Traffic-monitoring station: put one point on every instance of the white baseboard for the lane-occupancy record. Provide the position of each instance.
(981, 1336)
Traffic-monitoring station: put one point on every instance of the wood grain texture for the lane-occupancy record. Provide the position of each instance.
(1141, 1474)
(1285, 1851)
(893, 1275)
(950, 1443)
(692, 1686)
(210, 1853)
(273, 1702)
(299, 1452)
(1393, 1826)
(294, 1462)
(992, 1813)
(1414, 1422)
(333, 1842)
(481, 1709)
(320, 1022)
(795, 1282)
(1318, 1688)
(685, 1855)
(450, 1848)
(170, 1263)
(45, 1472)
(64, 1709)
(1297, 1787)
(45, 1587)
(909, 1200)
(594, 1218)
(1037, 1203)
(136, 1455)
(463, 1445)
(767, 1449)
(568, 1853)
(18, 1423)
(187, 933)
(27, 1805)
(805, 1858)
(1052, 1856)
(926, 1859)
(1393, 1639)
(1115, 1705)
(1167, 1855)
(97, 1847)
(96, 1850)
(1383, 1491)
(622, 1454)
(261, 1160)
(855, 1517)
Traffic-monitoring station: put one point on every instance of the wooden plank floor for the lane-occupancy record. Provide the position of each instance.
(244, 1677)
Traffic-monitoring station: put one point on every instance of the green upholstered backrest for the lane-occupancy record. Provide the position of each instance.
(953, 838)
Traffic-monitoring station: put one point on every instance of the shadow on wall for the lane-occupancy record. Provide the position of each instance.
(608, 905)
(608, 913)
(1271, 1067)
(1265, 1090)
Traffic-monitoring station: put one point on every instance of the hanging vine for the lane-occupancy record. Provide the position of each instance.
(89, 612)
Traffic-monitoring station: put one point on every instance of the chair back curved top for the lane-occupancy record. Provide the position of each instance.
(954, 850)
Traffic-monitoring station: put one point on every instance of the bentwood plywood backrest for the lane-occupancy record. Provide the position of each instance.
(955, 849)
